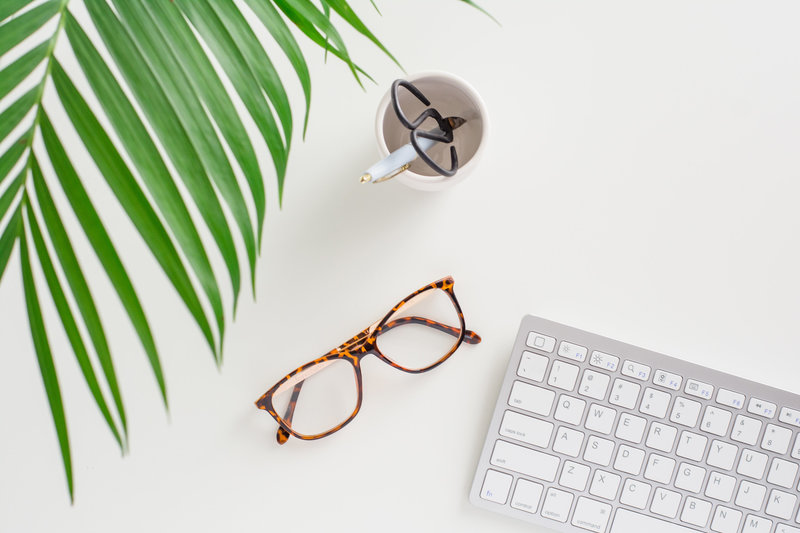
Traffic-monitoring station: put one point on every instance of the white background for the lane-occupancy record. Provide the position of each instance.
(641, 182)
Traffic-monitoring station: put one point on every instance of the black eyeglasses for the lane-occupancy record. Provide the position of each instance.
(444, 133)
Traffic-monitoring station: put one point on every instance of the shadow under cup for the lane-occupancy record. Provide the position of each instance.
(451, 97)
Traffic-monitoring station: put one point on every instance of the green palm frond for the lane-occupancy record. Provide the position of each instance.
(167, 138)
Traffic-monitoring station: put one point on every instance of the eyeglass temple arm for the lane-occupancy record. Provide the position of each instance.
(284, 435)
(470, 337)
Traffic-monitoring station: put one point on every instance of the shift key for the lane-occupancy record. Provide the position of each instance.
(525, 461)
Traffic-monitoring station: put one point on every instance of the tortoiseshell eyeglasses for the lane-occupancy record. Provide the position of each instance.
(417, 335)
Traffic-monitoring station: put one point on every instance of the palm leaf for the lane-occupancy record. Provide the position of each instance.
(45, 358)
(170, 144)
(68, 320)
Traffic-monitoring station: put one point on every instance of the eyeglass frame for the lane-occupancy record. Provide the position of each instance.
(445, 137)
(358, 347)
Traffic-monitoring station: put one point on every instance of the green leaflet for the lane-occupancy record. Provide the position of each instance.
(7, 240)
(346, 12)
(77, 283)
(258, 61)
(13, 74)
(145, 155)
(68, 321)
(9, 7)
(192, 115)
(163, 119)
(206, 83)
(479, 8)
(261, 67)
(130, 196)
(230, 58)
(101, 244)
(8, 196)
(308, 18)
(12, 156)
(13, 115)
(275, 24)
(20, 28)
(45, 358)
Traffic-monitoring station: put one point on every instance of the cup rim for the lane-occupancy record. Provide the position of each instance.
(421, 179)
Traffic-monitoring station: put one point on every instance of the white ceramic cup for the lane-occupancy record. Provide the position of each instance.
(451, 96)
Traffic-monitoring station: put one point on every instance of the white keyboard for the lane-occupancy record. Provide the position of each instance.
(590, 434)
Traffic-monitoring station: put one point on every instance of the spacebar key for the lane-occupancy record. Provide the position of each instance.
(629, 522)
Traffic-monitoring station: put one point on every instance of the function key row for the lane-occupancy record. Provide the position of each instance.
(642, 372)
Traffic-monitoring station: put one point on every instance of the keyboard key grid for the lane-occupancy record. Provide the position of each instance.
(594, 435)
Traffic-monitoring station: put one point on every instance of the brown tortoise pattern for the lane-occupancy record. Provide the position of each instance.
(358, 347)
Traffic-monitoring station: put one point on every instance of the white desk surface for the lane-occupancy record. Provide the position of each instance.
(642, 182)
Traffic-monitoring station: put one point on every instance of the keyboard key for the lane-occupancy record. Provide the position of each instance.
(527, 495)
(726, 520)
(598, 451)
(690, 477)
(627, 521)
(790, 416)
(624, 393)
(594, 384)
(665, 502)
(667, 379)
(756, 524)
(776, 439)
(716, 421)
(629, 460)
(752, 464)
(636, 370)
(525, 461)
(661, 437)
(540, 341)
(692, 446)
(526, 429)
(784, 528)
(574, 476)
(751, 496)
(722, 455)
(685, 412)
(600, 419)
(699, 389)
(605, 485)
(531, 398)
(495, 486)
(720, 487)
(782, 473)
(635, 493)
(591, 515)
(563, 375)
(796, 447)
(568, 441)
(781, 504)
(570, 410)
(575, 352)
(762, 408)
(696, 512)
(631, 428)
(730, 398)
(746, 429)
(659, 468)
(533, 366)
(557, 504)
(604, 360)
(655, 403)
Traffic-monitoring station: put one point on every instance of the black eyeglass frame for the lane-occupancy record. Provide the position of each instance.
(444, 125)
